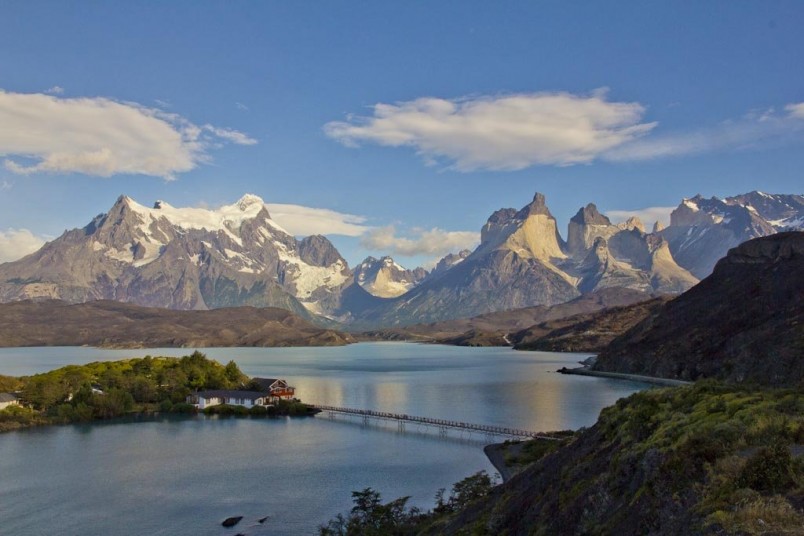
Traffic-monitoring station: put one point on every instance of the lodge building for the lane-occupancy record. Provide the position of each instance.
(268, 391)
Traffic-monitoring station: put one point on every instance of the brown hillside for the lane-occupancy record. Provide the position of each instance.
(745, 322)
(107, 323)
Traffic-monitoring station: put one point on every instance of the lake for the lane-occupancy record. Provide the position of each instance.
(185, 475)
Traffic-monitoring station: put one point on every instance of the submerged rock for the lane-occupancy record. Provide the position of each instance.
(231, 521)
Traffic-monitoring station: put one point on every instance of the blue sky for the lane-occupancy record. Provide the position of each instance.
(411, 117)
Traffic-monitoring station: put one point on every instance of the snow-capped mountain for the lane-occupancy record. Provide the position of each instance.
(182, 258)
(194, 258)
(785, 212)
(703, 230)
(385, 278)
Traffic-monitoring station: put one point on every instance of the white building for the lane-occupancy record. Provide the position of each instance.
(248, 399)
(7, 399)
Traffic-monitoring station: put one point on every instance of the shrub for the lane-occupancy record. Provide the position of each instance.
(182, 407)
(769, 470)
(258, 411)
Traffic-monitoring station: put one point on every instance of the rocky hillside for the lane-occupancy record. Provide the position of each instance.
(114, 324)
(745, 322)
(585, 332)
(499, 329)
(702, 459)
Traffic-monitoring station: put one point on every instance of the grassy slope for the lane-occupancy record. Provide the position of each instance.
(707, 458)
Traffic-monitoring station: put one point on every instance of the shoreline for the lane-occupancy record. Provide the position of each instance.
(586, 371)
(496, 455)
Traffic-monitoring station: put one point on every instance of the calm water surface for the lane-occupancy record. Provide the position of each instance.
(184, 476)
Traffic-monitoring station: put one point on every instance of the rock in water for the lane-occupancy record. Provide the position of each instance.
(231, 521)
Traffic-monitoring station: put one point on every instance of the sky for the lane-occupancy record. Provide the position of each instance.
(394, 128)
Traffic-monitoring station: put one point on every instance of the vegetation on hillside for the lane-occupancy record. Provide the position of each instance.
(707, 458)
(108, 389)
(370, 517)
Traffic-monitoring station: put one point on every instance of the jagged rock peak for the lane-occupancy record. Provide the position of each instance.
(632, 223)
(317, 250)
(658, 226)
(589, 215)
(537, 206)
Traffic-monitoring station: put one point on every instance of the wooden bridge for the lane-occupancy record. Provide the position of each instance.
(443, 425)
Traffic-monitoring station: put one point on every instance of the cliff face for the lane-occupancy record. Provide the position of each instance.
(745, 322)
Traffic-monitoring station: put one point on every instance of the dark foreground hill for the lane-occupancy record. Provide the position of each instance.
(108, 323)
(586, 332)
(745, 322)
(703, 459)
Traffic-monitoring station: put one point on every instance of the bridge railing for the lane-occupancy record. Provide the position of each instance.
(443, 423)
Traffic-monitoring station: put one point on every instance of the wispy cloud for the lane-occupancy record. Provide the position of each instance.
(507, 132)
(241, 106)
(106, 137)
(55, 90)
(512, 132)
(16, 243)
(233, 136)
(423, 241)
(795, 110)
(5, 185)
(648, 215)
(162, 103)
(755, 129)
(305, 221)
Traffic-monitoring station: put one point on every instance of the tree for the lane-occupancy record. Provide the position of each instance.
(369, 517)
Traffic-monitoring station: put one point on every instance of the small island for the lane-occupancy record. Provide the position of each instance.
(143, 386)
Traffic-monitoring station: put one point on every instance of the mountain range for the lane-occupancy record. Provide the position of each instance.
(197, 259)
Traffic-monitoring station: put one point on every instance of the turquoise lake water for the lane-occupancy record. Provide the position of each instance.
(185, 475)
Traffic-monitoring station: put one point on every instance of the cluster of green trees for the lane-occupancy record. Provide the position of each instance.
(103, 390)
(371, 517)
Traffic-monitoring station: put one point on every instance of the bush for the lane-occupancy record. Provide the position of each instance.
(226, 410)
(258, 411)
(769, 470)
(182, 407)
(166, 406)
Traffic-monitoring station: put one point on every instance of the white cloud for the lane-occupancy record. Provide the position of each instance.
(102, 137)
(16, 243)
(5, 185)
(306, 221)
(162, 103)
(426, 242)
(55, 90)
(508, 132)
(231, 135)
(241, 106)
(796, 110)
(755, 129)
(648, 215)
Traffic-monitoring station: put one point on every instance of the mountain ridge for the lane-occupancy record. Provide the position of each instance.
(196, 258)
